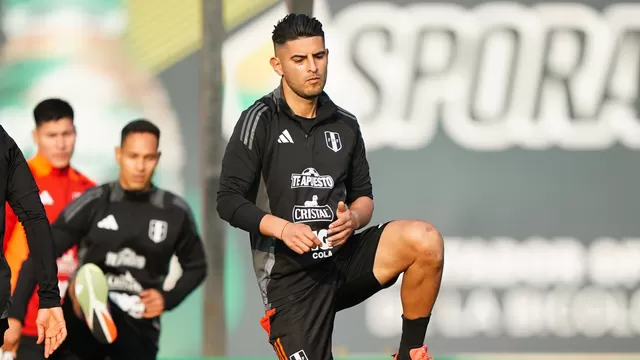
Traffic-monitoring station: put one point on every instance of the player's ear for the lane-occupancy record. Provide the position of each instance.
(34, 135)
(159, 154)
(118, 154)
(276, 65)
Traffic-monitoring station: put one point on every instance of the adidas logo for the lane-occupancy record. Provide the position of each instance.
(46, 198)
(108, 223)
(285, 138)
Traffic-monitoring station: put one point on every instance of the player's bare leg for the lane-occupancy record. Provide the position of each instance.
(416, 249)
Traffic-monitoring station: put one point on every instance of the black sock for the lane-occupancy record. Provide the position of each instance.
(413, 333)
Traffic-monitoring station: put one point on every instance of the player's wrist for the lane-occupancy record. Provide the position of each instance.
(272, 226)
(282, 231)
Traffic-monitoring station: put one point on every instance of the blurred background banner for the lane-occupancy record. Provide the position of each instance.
(512, 126)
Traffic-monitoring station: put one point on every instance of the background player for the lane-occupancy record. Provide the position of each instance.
(308, 261)
(59, 183)
(127, 231)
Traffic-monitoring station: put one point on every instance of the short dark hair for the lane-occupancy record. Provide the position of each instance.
(139, 126)
(52, 110)
(295, 26)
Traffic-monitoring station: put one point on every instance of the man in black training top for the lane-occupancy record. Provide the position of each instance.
(309, 262)
(126, 232)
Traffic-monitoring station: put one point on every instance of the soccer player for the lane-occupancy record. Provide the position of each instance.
(19, 189)
(126, 232)
(59, 183)
(309, 261)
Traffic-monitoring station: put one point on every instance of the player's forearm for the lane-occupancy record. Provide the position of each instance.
(272, 226)
(362, 209)
(239, 212)
(42, 251)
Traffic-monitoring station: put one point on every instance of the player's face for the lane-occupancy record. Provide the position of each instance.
(138, 157)
(303, 65)
(55, 140)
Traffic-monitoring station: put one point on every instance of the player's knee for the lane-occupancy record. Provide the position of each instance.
(426, 242)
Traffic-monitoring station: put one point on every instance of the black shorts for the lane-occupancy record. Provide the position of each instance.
(29, 349)
(136, 339)
(303, 328)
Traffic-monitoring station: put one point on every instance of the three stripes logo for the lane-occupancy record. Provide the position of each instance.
(250, 123)
(285, 138)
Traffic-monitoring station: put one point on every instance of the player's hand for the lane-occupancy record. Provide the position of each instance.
(153, 302)
(51, 329)
(300, 238)
(345, 224)
(12, 337)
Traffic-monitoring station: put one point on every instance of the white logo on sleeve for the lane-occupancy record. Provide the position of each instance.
(300, 355)
(108, 223)
(311, 211)
(46, 198)
(333, 140)
(158, 230)
(285, 138)
(311, 178)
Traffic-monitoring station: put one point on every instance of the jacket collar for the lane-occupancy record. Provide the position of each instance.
(118, 193)
(326, 107)
(42, 167)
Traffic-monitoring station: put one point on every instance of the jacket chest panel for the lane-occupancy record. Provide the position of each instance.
(142, 228)
(56, 194)
(325, 149)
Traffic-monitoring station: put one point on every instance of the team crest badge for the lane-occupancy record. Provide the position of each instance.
(158, 230)
(333, 140)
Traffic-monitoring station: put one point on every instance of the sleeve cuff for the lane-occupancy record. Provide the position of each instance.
(248, 217)
(48, 300)
(170, 300)
(18, 315)
(356, 195)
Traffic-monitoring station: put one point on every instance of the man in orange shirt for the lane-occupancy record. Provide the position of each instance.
(59, 183)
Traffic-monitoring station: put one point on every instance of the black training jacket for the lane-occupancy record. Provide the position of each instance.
(19, 189)
(308, 166)
(131, 236)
